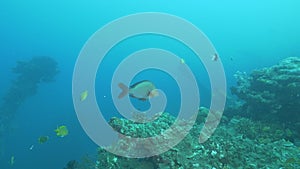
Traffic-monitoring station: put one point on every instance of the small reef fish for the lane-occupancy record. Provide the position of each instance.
(12, 160)
(61, 131)
(43, 139)
(31, 147)
(142, 90)
(215, 57)
(182, 61)
(83, 95)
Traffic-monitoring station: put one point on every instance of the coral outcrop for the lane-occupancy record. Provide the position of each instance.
(271, 93)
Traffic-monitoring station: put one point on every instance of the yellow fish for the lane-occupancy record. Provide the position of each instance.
(182, 61)
(83, 95)
(12, 160)
(61, 131)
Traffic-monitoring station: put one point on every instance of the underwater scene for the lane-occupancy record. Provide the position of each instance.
(150, 84)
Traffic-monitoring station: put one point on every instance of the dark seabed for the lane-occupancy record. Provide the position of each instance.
(257, 44)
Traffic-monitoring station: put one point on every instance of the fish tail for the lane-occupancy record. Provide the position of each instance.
(124, 89)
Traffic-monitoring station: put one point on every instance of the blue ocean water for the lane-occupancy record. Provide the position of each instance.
(247, 35)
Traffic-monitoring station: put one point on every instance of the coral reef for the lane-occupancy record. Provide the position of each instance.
(260, 129)
(271, 93)
(71, 164)
(157, 125)
(142, 130)
(237, 143)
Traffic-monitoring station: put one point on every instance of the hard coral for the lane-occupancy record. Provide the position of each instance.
(271, 93)
(231, 146)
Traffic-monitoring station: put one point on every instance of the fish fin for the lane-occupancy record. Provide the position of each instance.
(215, 57)
(143, 99)
(137, 83)
(153, 93)
(124, 89)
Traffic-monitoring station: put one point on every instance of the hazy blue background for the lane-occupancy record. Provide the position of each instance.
(246, 34)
